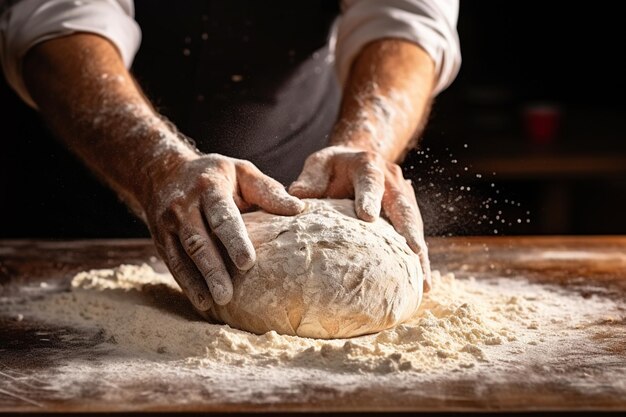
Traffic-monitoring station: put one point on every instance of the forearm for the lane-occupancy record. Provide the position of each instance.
(386, 98)
(93, 105)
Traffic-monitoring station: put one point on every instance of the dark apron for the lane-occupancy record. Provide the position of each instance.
(248, 79)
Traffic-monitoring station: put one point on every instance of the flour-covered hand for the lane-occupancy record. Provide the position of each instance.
(194, 206)
(346, 172)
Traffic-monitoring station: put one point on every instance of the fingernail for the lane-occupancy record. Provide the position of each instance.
(245, 261)
(371, 210)
(294, 185)
(297, 204)
(412, 241)
(220, 295)
(368, 211)
(367, 216)
(298, 188)
(222, 291)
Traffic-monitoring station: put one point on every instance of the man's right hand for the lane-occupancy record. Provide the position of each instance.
(195, 206)
(190, 202)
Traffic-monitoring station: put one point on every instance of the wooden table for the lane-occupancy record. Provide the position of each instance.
(26, 262)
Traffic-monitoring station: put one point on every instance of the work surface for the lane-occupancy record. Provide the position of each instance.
(591, 374)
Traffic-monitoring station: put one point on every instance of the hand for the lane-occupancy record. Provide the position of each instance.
(346, 172)
(194, 206)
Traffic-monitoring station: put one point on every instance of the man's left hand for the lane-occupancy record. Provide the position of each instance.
(373, 182)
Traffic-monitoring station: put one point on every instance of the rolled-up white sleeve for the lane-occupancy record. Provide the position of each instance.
(28, 22)
(431, 24)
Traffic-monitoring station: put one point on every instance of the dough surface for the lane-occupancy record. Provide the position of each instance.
(323, 274)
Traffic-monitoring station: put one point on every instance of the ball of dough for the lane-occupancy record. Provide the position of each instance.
(323, 274)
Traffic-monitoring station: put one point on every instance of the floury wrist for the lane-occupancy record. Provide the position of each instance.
(168, 151)
(376, 120)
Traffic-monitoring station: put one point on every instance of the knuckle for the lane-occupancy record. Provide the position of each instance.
(217, 164)
(394, 193)
(205, 181)
(223, 166)
(395, 170)
(247, 168)
(218, 222)
(408, 192)
(160, 246)
(404, 204)
(367, 182)
(369, 163)
(212, 272)
(214, 156)
(195, 243)
(408, 188)
(403, 208)
(176, 202)
(170, 217)
(370, 186)
(247, 165)
(175, 264)
(368, 157)
(212, 199)
(175, 216)
(221, 216)
(314, 158)
(320, 157)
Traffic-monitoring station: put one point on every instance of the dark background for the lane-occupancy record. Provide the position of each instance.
(518, 57)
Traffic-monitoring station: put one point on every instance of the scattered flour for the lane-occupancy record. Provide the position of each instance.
(490, 330)
(145, 312)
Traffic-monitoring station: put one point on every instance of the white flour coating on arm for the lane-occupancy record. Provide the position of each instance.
(140, 118)
(380, 115)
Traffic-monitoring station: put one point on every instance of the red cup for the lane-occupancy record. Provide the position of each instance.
(542, 122)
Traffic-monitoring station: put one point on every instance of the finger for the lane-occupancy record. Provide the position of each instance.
(241, 204)
(225, 221)
(369, 187)
(425, 263)
(406, 219)
(423, 253)
(313, 180)
(403, 217)
(186, 274)
(265, 192)
(206, 256)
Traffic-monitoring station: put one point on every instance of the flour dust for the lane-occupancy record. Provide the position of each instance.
(483, 329)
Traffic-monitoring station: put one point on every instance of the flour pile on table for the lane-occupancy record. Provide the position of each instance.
(144, 312)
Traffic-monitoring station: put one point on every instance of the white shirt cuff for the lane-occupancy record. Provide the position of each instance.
(431, 24)
(30, 22)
